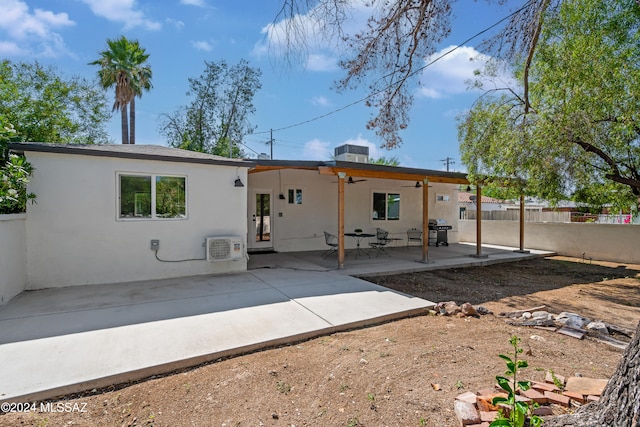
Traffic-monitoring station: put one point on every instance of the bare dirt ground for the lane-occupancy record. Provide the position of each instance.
(383, 375)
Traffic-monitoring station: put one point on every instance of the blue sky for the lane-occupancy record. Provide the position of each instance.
(180, 35)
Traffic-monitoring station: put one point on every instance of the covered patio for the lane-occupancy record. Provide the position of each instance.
(342, 210)
(397, 259)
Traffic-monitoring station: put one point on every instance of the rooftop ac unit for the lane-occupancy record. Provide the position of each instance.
(224, 248)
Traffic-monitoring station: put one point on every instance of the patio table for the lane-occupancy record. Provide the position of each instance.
(359, 237)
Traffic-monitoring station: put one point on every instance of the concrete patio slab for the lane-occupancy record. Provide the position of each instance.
(60, 341)
(66, 340)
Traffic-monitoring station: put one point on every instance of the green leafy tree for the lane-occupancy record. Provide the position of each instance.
(123, 66)
(573, 128)
(44, 106)
(387, 161)
(216, 120)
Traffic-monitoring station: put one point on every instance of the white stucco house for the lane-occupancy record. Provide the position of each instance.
(116, 213)
(99, 207)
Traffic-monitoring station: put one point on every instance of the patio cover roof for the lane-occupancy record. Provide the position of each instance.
(366, 170)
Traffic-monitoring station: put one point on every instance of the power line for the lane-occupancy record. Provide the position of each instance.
(337, 110)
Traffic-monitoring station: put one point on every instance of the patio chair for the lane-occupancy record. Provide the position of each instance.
(414, 236)
(382, 240)
(332, 241)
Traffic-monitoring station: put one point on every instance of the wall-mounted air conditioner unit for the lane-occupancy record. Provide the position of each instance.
(224, 248)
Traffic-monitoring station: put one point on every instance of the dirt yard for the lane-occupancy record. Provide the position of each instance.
(402, 373)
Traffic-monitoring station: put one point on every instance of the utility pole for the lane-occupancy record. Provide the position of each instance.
(271, 143)
(448, 161)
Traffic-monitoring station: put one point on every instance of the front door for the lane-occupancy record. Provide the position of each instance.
(260, 230)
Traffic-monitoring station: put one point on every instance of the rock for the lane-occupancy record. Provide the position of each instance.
(481, 309)
(468, 310)
(542, 315)
(526, 315)
(599, 327)
(449, 308)
(572, 320)
(466, 412)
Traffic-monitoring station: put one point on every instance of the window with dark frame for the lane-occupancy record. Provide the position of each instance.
(386, 207)
(294, 196)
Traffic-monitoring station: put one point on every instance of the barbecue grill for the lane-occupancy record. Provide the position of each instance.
(438, 232)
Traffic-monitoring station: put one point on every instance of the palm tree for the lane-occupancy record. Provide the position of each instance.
(123, 66)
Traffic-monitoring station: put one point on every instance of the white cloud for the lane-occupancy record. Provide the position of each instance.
(321, 62)
(317, 49)
(320, 101)
(449, 75)
(11, 49)
(122, 11)
(317, 150)
(176, 23)
(32, 33)
(198, 3)
(202, 45)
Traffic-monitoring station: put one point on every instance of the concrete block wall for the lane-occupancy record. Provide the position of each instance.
(13, 256)
(605, 242)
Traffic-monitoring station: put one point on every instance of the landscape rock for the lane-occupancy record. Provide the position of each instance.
(469, 310)
(449, 308)
(572, 320)
(542, 315)
(599, 327)
(481, 309)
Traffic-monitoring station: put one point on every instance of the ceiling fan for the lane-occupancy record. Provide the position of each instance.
(350, 180)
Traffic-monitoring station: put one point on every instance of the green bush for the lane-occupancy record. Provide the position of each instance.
(15, 171)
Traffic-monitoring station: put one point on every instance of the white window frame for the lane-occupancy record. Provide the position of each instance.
(153, 177)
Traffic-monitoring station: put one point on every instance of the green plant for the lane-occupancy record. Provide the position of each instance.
(15, 171)
(353, 422)
(555, 379)
(518, 410)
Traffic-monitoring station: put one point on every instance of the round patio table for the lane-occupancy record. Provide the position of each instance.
(359, 237)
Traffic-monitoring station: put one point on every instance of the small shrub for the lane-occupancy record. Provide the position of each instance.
(14, 176)
(518, 411)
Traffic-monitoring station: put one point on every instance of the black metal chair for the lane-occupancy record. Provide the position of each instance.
(414, 236)
(382, 240)
(332, 241)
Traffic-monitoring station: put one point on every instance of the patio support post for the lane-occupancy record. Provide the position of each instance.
(341, 176)
(478, 253)
(521, 250)
(425, 221)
